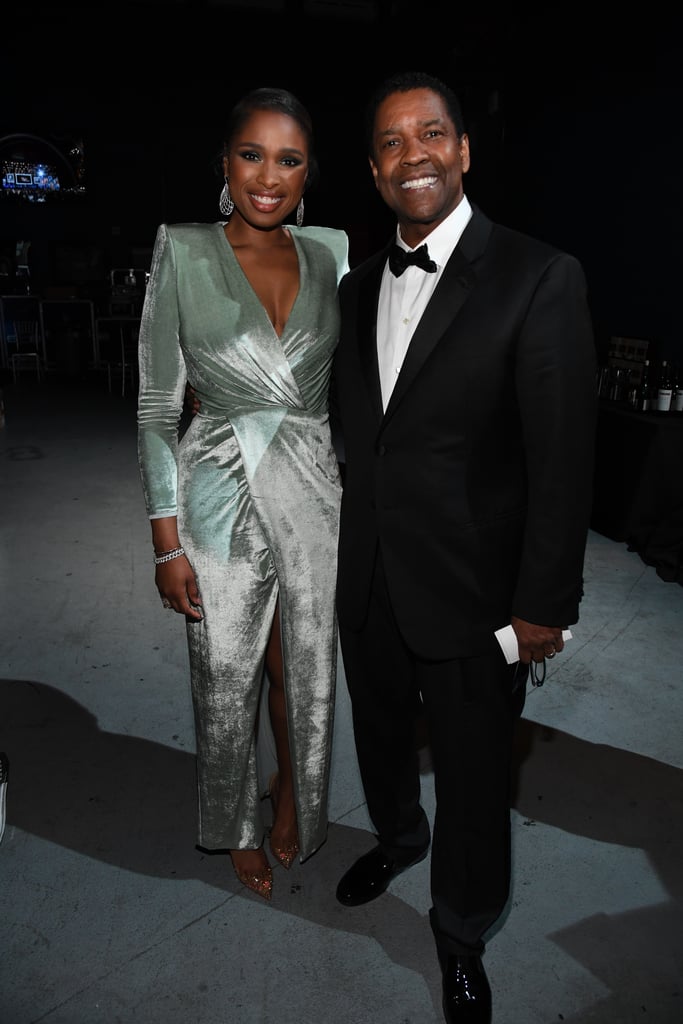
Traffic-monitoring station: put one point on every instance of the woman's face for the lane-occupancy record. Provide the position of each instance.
(266, 166)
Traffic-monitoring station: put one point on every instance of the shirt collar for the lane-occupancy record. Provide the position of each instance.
(443, 239)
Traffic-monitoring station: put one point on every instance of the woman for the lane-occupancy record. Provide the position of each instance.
(244, 509)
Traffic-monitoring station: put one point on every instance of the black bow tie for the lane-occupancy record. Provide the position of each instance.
(399, 259)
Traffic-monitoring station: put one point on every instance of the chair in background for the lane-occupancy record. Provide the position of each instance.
(117, 348)
(24, 348)
(13, 309)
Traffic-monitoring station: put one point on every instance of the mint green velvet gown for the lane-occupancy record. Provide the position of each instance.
(255, 485)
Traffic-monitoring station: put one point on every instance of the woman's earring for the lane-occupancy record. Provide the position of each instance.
(300, 213)
(225, 203)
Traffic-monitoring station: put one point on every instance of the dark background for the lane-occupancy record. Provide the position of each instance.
(574, 122)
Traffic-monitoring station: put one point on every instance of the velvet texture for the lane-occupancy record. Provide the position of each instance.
(254, 482)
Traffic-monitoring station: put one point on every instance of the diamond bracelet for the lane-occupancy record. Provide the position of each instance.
(166, 556)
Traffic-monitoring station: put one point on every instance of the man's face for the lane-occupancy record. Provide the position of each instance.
(418, 160)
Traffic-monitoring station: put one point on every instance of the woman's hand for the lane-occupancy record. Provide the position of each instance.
(178, 588)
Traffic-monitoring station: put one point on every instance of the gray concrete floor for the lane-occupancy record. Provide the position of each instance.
(109, 913)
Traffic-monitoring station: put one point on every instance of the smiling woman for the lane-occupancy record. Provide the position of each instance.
(244, 509)
(268, 165)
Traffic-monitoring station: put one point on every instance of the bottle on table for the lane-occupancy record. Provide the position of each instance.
(664, 388)
(644, 390)
(677, 391)
(618, 387)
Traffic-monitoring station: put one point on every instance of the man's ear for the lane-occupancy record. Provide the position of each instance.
(373, 168)
(465, 152)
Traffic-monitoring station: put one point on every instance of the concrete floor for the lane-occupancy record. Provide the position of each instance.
(109, 913)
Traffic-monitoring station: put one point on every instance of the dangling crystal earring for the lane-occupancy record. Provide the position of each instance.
(225, 203)
(300, 213)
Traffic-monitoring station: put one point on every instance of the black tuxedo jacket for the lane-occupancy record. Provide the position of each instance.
(476, 482)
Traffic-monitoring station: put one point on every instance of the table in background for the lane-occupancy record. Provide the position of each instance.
(69, 336)
(638, 487)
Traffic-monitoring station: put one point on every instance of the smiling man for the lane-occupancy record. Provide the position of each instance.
(464, 387)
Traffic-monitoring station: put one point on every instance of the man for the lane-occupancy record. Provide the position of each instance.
(465, 395)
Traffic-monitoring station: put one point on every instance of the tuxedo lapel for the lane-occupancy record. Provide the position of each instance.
(455, 285)
(449, 295)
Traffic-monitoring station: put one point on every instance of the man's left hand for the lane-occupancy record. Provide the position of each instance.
(537, 642)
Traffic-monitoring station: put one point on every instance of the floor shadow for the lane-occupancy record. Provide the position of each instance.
(622, 798)
(132, 803)
(604, 793)
(120, 799)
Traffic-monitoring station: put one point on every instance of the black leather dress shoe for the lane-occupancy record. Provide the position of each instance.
(370, 877)
(466, 991)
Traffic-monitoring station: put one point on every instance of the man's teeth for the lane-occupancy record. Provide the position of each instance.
(419, 182)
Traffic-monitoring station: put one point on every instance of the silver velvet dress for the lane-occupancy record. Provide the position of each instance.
(255, 485)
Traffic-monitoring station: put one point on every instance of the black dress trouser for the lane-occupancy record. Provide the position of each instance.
(470, 711)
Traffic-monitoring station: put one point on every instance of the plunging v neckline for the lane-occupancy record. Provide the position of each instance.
(297, 250)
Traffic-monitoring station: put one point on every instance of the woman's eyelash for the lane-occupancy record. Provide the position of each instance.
(288, 161)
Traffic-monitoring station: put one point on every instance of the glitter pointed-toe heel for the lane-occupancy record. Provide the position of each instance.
(258, 879)
(284, 850)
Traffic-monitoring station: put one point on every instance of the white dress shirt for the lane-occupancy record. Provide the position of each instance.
(402, 300)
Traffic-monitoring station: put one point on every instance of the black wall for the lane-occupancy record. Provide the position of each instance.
(574, 127)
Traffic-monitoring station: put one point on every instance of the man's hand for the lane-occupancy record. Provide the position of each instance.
(537, 642)
(191, 403)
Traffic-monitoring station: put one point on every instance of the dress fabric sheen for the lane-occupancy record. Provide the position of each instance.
(255, 484)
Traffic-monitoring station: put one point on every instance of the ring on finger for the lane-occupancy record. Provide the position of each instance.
(551, 655)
